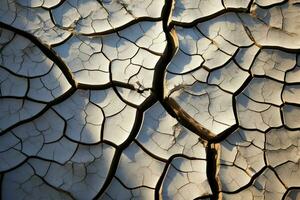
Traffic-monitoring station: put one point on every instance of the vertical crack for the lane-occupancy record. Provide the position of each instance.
(212, 150)
(212, 169)
(158, 80)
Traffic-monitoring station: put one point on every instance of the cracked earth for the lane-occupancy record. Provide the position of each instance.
(150, 99)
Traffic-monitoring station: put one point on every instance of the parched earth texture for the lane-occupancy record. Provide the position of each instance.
(150, 99)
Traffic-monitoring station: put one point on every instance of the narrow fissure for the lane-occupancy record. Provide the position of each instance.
(212, 155)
